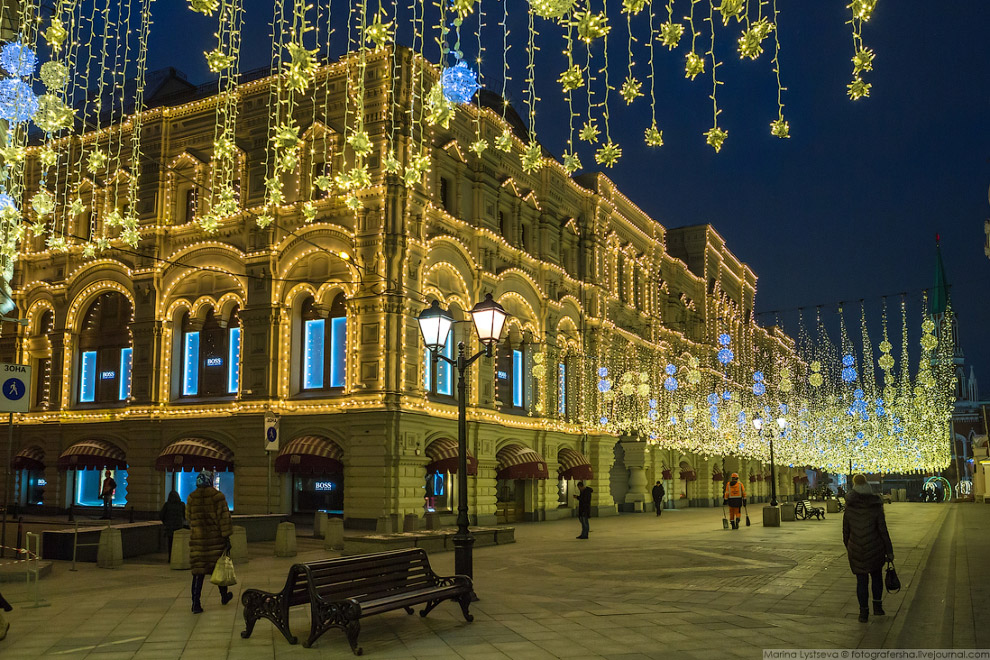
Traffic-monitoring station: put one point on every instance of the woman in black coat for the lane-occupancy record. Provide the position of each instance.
(173, 517)
(864, 533)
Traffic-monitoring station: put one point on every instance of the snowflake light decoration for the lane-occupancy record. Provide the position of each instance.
(460, 83)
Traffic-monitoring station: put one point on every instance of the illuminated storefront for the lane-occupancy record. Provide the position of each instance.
(317, 473)
(86, 463)
(183, 460)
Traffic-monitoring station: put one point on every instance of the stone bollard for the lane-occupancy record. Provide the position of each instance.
(902, 495)
(334, 540)
(771, 516)
(180, 550)
(110, 553)
(396, 522)
(238, 545)
(320, 524)
(831, 505)
(432, 520)
(285, 540)
(410, 523)
(384, 525)
(786, 512)
(893, 494)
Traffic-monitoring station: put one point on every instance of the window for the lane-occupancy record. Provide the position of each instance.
(441, 373)
(105, 351)
(501, 223)
(445, 194)
(562, 389)
(89, 485)
(324, 346)
(211, 356)
(510, 376)
(522, 236)
(189, 199)
(185, 483)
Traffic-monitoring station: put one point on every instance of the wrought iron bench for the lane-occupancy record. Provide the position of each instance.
(342, 591)
(804, 511)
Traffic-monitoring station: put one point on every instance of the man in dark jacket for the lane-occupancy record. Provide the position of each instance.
(864, 533)
(658, 494)
(584, 507)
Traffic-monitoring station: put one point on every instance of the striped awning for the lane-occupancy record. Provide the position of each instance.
(93, 455)
(688, 475)
(518, 462)
(572, 464)
(29, 458)
(443, 458)
(310, 454)
(194, 454)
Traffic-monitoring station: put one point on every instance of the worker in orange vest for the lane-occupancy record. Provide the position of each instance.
(735, 497)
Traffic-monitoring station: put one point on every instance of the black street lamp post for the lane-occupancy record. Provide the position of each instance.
(758, 424)
(435, 324)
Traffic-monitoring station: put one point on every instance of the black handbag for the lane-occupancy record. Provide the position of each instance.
(890, 579)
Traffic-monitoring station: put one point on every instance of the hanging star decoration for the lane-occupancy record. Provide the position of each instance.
(572, 163)
(551, 9)
(205, 7)
(633, 7)
(217, 60)
(56, 34)
(670, 34)
(589, 132)
(858, 89)
(532, 157)
(504, 141)
(301, 70)
(53, 114)
(694, 65)
(478, 146)
(715, 136)
(863, 9)
(309, 211)
(439, 109)
(750, 44)
(608, 154)
(780, 128)
(97, 161)
(360, 143)
(863, 60)
(631, 89)
(48, 156)
(264, 220)
(391, 163)
(571, 79)
(654, 136)
(730, 9)
(379, 33)
(590, 26)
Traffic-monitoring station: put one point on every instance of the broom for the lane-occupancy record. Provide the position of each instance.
(746, 508)
(725, 521)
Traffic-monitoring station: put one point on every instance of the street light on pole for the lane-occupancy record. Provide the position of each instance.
(758, 425)
(435, 324)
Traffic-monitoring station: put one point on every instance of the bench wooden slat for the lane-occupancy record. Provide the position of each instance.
(342, 591)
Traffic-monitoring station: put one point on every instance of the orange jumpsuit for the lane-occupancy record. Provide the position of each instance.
(735, 494)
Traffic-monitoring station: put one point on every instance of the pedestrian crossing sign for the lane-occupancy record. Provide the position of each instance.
(15, 379)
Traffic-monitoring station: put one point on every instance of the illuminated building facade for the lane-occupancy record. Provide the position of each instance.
(163, 359)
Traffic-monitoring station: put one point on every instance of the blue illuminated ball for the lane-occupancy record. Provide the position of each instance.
(724, 339)
(652, 415)
(670, 370)
(6, 201)
(725, 356)
(727, 395)
(713, 399)
(759, 389)
(17, 100)
(848, 360)
(670, 383)
(858, 393)
(18, 59)
(603, 421)
(459, 83)
(848, 374)
(653, 403)
(602, 372)
(758, 376)
(604, 386)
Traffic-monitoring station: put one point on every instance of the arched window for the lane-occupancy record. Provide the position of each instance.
(324, 345)
(211, 355)
(105, 350)
(43, 364)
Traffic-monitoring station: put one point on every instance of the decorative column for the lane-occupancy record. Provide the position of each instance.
(601, 453)
(636, 458)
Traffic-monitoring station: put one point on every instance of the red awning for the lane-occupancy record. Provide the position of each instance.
(92, 455)
(517, 462)
(572, 464)
(443, 456)
(801, 478)
(310, 454)
(194, 454)
(29, 458)
(717, 476)
(688, 475)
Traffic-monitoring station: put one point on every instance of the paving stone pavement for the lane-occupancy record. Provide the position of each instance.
(641, 587)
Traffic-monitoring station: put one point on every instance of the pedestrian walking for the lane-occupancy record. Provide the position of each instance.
(173, 517)
(209, 523)
(735, 497)
(584, 507)
(4, 624)
(864, 533)
(106, 494)
(658, 493)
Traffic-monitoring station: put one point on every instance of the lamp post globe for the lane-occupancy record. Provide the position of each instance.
(489, 319)
(434, 324)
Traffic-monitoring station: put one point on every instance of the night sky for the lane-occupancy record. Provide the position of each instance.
(846, 209)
